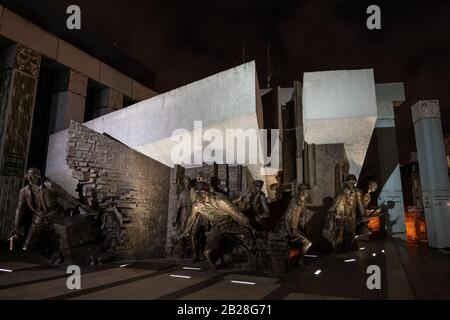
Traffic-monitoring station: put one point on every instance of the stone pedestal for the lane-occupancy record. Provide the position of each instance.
(433, 171)
(107, 100)
(68, 100)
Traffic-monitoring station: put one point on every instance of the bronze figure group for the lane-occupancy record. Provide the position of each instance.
(210, 223)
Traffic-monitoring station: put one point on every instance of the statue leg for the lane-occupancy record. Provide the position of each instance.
(349, 234)
(32, 236)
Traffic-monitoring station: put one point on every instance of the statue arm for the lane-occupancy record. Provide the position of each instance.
(190, 222)
(361, 208)
(20, 211)
(335, 204)
(265, 206)
(236, 214)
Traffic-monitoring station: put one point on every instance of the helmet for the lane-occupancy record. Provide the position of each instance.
(258, 184)
(303, 187)
(33, 172)
(351, 178)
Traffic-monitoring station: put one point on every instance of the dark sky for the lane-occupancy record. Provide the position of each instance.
(184, 41)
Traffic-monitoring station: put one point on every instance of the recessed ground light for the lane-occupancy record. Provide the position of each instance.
(363, 248)
(243, 282)
(382, 251)
(180, 276)
(350, 260)
(317, 272)
(374, 254)
(6, 270)
(191, 268)
(124, 265)
(310, 256)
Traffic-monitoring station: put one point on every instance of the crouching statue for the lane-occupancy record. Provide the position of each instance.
(229, 226)
(39, 198)
(295, 220)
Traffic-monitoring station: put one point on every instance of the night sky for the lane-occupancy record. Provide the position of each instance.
(184, 41)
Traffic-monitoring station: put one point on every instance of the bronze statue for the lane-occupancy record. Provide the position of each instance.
(343, 215)
(201, 225)
(363, 228)
(225, 219)
(295, 219)
(39, 198)
(254, 202)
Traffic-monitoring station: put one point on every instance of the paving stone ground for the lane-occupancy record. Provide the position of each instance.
(407, 272)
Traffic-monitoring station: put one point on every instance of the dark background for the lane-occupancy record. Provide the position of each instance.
(184, 41)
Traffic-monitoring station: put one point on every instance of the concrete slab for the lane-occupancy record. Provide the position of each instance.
(227, 100)
(340, 107)
(151, 288)
(227, 290)
(58, 287)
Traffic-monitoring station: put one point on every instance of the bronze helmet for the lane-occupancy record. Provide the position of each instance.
(33, 172)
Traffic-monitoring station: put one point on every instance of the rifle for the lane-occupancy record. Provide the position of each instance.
(379, 214)
(11, 242)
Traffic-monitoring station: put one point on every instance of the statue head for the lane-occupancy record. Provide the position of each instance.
(303, 191)
(33, 176)
(187, 182)
(201, 177)
(351, 181)
(372, 186)
(258, 184)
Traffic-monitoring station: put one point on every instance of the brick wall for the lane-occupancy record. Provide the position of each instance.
(112, 174)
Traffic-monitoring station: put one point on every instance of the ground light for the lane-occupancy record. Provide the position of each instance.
(180, 276)
(243, 282)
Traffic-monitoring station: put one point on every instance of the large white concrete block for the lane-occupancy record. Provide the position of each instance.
(227, 100)
(340, 107)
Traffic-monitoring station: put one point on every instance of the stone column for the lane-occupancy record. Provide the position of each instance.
(19, 72)
(433, 171)
(19, 76)
(107, 100)
(68, 100)
(388, 168)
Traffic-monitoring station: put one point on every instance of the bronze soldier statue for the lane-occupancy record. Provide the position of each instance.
(182, 209)
(201, 225)
(254, 202)
(225, 219)
(343, 215)
(363, 228)
(295, 219)
(40, 199)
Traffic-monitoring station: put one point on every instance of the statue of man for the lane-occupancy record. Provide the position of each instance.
(225, 219)
(254, 202)
(343, 215)
(201, 225)
(182, 211)
(363, 228)
(39, 198)
(295, 218)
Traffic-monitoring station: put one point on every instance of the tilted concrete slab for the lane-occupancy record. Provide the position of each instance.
(340, 107)
(227, 100)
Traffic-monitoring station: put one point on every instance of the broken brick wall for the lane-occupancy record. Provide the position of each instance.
(112, 174)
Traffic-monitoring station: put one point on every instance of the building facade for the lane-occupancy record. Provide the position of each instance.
(46, 82)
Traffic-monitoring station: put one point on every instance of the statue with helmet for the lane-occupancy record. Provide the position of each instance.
(295, 219)
(343, 216)
(39, 201)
